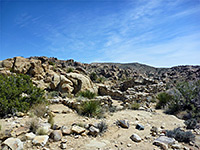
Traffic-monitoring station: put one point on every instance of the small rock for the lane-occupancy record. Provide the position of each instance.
(123, 123)
(93, 131)
(176, 146)
(128, 145)
(139, 127)
(56, 135)
(135, 138)
(13, 144)
(65, 130)
(78, 130)
(20, 114)
(40, 140)
(63, 145)
(30, 136)
(163, 142)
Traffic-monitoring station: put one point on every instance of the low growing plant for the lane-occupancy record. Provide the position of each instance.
(39, 110)
(181, 135)
(87, 94)
(91, 108)
(191, 123)
(135, 106)
(41, 131)
(33, 124)
(93, 76)
(51, 120)
(70, 70)
(163, 100)
(102, 126)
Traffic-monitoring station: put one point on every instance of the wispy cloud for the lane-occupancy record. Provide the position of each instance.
(156, 32)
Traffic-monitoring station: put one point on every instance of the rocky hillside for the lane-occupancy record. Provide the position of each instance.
(120, 81)
(120, 88)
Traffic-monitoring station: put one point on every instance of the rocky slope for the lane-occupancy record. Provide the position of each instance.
(118, 85)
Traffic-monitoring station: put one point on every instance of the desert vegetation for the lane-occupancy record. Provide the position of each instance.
(17, 93)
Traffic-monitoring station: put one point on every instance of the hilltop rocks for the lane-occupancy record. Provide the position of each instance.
(80, 82)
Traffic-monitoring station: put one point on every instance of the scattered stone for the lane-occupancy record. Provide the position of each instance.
(13, 144)
(94, 144)
(65, 130)
(77, 130)
(139, 127)
(128, 145)
(30, 136)
(176, 146)
(134, 137)
(93, 131)
(40, 140)
(63, 145)
(123, 123)
(164, 141)
(56, 135)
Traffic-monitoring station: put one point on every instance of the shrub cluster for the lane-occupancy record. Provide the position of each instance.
(17, 93)
(93, 76)
(87, 94)
(70, 70)
(163, 100)
(91, 108)
(185, 97)
(181, 135)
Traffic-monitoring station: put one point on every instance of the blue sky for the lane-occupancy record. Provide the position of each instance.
(161, 33)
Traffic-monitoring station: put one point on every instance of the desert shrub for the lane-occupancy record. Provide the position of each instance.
(163, 100)
(135, 106)
(93, 76)
(52, 94)
(112, 108)
(87, 94)
(191, 123)
(91, 108)
(41, 131)
(181, 135)
(102, 126)
(100, 80)
(51, 63)
(51, 120)
(33, 124)
(17, 93)
(39, 110)
(70, 70)
(186, 98)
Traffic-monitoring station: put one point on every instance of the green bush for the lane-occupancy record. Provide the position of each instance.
(163, 100)
(52, 94)
(100, 80)
(70, 70)
(181, 135)
(51, 120)
(191, 123)
(51, 63)
(135, 106)
(17, 93)
(87, 94)
(93, 76)
(186, 98)
(91, 108)
(0, 127)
